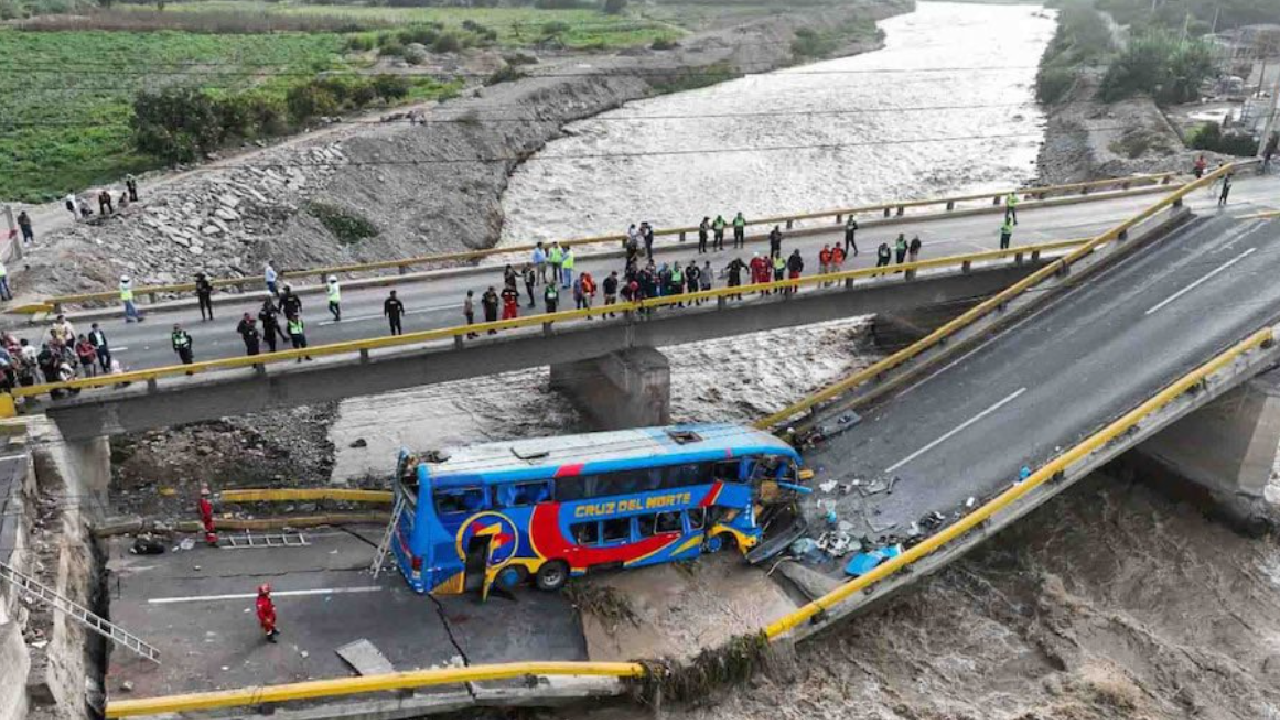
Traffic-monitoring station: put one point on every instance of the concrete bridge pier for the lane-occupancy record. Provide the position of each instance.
(624, 389)
(1230, 449)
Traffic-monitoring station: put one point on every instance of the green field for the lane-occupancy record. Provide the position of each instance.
(66, 97)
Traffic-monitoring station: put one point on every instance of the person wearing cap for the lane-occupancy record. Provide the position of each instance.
(204, 295)
(290, 303)
(267, 613)
(206, 517)
(126, 297)
(181, 340)
(334, 290)
(248, 329)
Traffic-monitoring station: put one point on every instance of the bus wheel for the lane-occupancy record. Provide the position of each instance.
(552, 575)
(723, 541)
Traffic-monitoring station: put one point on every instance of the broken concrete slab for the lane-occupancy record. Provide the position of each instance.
(365, 658)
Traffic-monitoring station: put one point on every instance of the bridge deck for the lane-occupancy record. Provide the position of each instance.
(1044, 384)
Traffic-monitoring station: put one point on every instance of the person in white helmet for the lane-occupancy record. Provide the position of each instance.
(126, 296)
(335, 297)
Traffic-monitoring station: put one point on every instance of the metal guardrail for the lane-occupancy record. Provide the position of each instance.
(893, 209)
(545, 320)
(304, 494)
(989, 305)
(776, 629)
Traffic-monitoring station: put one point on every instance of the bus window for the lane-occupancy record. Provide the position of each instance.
(522, 495)
(459, 500)
(617, 530)
(697, 518)
(728, 471)
(645, 525)
(587, 533)
(669, 522)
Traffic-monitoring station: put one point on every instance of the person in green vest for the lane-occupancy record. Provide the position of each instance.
(181, 341)
(555, 256)
(1006, 233)
(297, 334)
(1011, 207)
(900, 249)
(675, 282)
(334, 290)
(566, 268)
(779, 270)
(126, 297)
(551, 296)
(739, 231)
(717, 229)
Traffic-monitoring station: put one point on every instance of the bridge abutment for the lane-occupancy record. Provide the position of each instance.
(1230, 448)
(623, 389)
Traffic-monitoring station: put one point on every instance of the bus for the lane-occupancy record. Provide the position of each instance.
(546, 509)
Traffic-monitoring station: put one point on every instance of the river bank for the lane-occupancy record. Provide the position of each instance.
(398, 188)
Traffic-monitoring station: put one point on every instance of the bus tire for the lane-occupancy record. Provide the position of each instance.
(552, 575)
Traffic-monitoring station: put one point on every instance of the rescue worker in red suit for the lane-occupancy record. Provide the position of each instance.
(206, 518)
(510, 302)
(267, 613)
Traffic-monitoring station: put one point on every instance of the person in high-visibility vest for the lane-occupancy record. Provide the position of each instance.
(739, 231)
(181, 341)
(1011, 207)
(126, 297)
(297, 334)
(1006, 233)
(334, 291)
(555, 256)
(717, 227)
(566, 268)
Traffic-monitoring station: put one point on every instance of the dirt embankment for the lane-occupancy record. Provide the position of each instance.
(396, 189)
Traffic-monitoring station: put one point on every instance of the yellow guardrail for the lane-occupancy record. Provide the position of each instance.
(460, 331)
(1044, 474)
(421, 678)
(987, 306)
(303, 494)
(370, 683)
(402, 264)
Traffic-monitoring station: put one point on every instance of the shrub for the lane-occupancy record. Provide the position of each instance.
(1211, 137)
(359, 43)
(1169, 69)
(422, 35)
(520, 59)
(555, 28)
(448, 42)
(176, 124)
(391, 87)
(309, 101)
(615, 7)
(506, 74)
(392, 49)
(347, 226)
(664, 44)
(1052, 84)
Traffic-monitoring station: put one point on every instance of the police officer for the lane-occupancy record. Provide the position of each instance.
(334, 291)
(204, 295)
(181, 340)
(551, 296)
(297, 334)
(1006, 233)
(850, 228)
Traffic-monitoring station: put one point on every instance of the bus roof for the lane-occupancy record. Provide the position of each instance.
(570, 455)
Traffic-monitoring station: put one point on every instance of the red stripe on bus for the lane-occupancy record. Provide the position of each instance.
(569, 470)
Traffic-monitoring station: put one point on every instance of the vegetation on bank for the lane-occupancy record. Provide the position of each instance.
(1081, 40)
(1198, 16)
(816, 43)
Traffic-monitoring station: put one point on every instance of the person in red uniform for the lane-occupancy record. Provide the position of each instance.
(267, 613)
(510, 302)
(206, 518)
(759, 269)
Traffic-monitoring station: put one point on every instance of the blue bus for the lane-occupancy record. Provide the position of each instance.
(549, 508)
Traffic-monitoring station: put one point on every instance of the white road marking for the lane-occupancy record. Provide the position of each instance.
(957, 429)
(1197, 283)
(427, 309)
(280, 593)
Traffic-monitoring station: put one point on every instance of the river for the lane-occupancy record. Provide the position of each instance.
(946, 106)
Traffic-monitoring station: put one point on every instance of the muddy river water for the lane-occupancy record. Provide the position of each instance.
(946, 106)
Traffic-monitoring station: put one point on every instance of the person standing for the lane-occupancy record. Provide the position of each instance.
(206, 517)
(104, 203)
(739, 231)
(126, 297)
(181, 341)
(509, 276)
(551, 296)
(588, 287)
(704, 229)
(290, 303)
(539, 259)
(795, 266)
(1226, 190)
(510, 302)
(850, 228)
(98, 339)
(5, 293)
(566, 268)
(883, 255)
(86, 355)
(824, 260)
(270, 319)
(469, 310)
(131, 184)
(334, 291)
(272, 277)
(691, 274)
(717, 227)
(530, 279)
(554, 257)
(675, 282)
(1011, 207)
(28, 233)
(1006, 234)
(704, 277)
(63, 332)
(267, 613)
(775, 242)
(393, 310)
(71, 203)
(779, 271)
(900, 249)
(489, 301)
(610, 287)
(204, 296)
(913, 250)
(1198, 167)
(735, 268)
(647, 230)
(837, 259)
(297, 334)
(248, 330)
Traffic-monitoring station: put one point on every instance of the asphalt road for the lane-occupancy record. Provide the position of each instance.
(437, 302)
(1058, 375)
